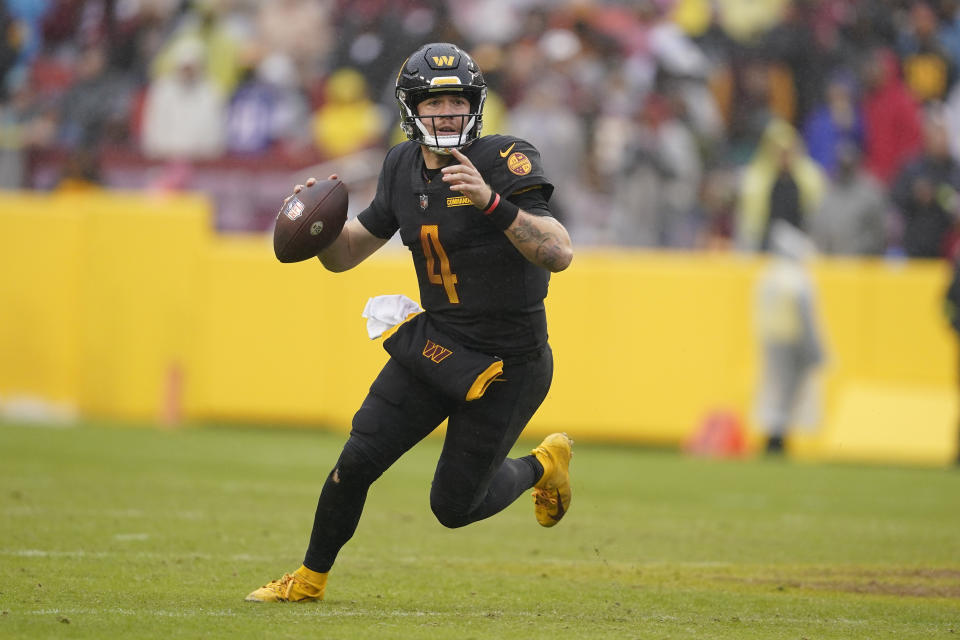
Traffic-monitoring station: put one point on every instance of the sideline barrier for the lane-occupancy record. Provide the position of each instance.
(127, 307)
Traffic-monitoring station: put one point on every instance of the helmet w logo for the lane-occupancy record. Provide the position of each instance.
(443, 61)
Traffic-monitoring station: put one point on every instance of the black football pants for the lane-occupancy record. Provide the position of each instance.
(473, 480)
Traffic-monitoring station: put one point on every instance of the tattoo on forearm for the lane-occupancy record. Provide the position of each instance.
(544, 247)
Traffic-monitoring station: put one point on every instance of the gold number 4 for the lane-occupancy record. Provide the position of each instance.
(433, 251)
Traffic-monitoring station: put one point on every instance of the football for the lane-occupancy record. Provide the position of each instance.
(310, 221)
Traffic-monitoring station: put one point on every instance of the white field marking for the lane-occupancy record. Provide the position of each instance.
(320, 610)
(708, 564)
(131, 536)
(103, 513)
(160, 613)
(562, 562)
(132, 555)
(187, 613)
(39, 553)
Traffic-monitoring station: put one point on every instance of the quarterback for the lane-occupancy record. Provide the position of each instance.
(474, 213)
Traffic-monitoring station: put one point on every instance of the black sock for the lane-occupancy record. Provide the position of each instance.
(535, 465)
(513, 479)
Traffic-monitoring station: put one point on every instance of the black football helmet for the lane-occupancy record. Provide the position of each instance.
(440, 67)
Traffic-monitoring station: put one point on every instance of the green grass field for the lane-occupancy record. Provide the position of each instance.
(111, 532)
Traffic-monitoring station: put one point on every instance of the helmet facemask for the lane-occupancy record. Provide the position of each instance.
(416, 127)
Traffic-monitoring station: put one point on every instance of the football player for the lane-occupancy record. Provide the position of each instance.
(474, 213)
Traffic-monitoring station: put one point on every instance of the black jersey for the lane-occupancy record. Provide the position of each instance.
(473, 281)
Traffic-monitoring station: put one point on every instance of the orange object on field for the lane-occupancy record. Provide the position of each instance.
(720, 435)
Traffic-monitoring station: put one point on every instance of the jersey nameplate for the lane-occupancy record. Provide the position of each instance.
(458, 201)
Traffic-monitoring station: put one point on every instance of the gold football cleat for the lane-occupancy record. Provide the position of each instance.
(303, 585)
(551, 494)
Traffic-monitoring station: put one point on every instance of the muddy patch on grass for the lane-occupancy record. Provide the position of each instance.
(915, 582)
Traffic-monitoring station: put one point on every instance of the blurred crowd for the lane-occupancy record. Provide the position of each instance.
(688, 124)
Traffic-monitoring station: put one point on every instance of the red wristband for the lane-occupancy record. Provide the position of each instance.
(500, 212)
(494, 201)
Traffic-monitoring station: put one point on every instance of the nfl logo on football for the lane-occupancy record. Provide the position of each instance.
(294, 209)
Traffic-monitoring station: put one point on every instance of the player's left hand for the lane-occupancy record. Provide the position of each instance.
(465, 178)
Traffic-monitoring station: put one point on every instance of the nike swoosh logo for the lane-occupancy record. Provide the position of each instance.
(504, 154)
(560, 509)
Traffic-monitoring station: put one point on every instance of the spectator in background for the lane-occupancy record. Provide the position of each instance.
(81, 172)
(26, 122)
(545, 119)
(852, 218)
(744, 89)
(269, 109)
(928, 69)
(781, 182)
(184, 112)
(893, 130)
(10, 46)
(97, 106)
(25, 31)
(869, 25)
(717, 210)
(834, 124)
(656, 187)
(222, 60)
(794, 52)
(372, 34)
(348, 121)
(789, 336)
(949, 34)
(745, 20)
(679, 68)
(299, 29)
(926, 195)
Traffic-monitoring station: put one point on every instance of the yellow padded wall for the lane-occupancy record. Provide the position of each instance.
(141, 268)
(132, 308)
(286, 342)
(40, 297)
(97, 297)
